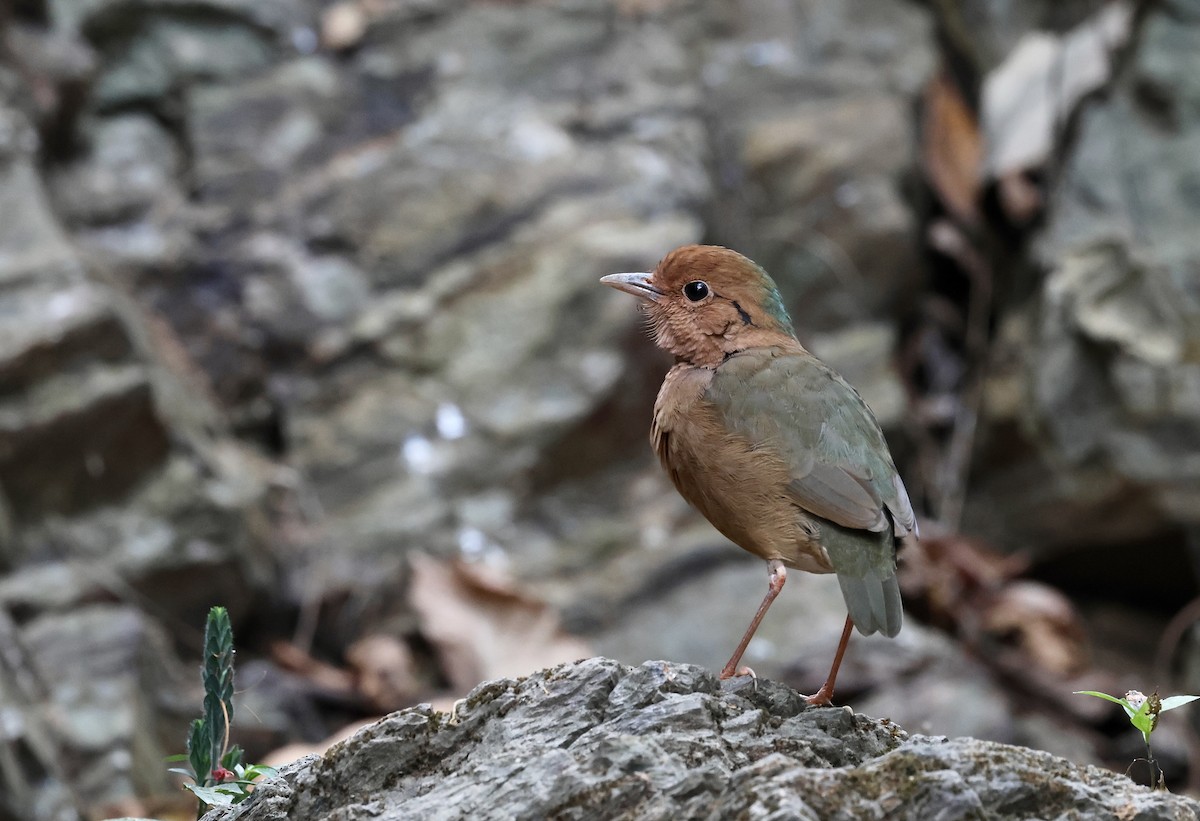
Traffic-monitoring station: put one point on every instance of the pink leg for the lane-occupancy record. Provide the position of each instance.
(777, 579)
(824, 696)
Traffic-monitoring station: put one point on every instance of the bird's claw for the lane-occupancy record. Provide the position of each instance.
(821, 698)
(727, 673)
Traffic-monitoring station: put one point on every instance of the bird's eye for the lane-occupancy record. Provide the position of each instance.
(696, 290)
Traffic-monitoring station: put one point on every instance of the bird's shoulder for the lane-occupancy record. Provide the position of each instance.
(790, 402)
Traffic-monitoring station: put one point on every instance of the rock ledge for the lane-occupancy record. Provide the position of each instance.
(597, 739)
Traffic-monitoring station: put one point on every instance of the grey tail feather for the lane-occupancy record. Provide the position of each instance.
(874, 604)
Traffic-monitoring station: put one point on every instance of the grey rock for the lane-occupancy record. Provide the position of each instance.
(165, 54)
(600, 740)
(34, 783)
(76, 442)
(108, 671)
(50, 330)
(1104, 406)
(986, 31)
(117, 481)
(812, 141)
(380, 265)
(32, 243)
(131, 165)
(108, 15)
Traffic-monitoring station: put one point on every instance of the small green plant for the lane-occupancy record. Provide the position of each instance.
(216, 769)
(1143, 712)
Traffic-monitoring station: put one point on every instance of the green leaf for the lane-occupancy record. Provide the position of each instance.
(1125, 705)
(1143, 720)
(199, 747)
(255, 771)
(232, 758)
(185, 772)
(1104, 696)
(1171, 702)
(217, 677)
(176, 757)
(221, 796)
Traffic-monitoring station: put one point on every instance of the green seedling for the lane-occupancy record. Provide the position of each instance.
(218, 774)
(1143, 712)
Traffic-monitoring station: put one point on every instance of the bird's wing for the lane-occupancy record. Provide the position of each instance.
(795, 405)
(840, 468)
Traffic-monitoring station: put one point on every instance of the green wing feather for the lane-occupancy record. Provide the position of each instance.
(841, 470)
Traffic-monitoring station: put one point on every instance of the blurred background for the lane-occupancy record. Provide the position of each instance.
(299, 315)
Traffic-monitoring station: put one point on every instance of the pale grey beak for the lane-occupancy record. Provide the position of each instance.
(636, 284)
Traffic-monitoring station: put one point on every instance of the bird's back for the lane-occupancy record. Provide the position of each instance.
(786, 460)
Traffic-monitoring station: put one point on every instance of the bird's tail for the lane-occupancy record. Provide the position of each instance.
(873, 602)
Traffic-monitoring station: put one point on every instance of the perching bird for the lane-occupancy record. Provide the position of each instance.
(773, 447)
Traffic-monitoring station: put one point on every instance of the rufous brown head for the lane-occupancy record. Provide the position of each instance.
(706, 302)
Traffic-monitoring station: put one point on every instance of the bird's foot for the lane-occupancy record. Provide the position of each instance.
(732, 672)
(821, 698)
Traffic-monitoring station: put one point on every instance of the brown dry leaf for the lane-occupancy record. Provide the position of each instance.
(963, 586)
(384, 670)
(323, 676)
(1042, 624)
(482, 626)
(951, 148)
(946, 575)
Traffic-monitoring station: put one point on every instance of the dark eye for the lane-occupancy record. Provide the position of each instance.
(696, 290)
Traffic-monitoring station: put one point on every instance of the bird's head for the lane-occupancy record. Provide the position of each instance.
(706, 303)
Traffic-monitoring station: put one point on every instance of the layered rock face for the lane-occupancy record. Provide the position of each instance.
(292, 290)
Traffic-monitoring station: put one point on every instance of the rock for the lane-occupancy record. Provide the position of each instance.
(131, 165)
(117, 480)
(79, 441)
(110, 674)
(812, 139)
(663, 740)
(1105, 421)
(31, 241)
(863, 354)
(290, 313)
(34, 784)
(984, 32)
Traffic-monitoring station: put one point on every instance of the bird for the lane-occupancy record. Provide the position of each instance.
(770, 444)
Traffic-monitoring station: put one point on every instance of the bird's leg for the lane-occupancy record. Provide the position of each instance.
(778, 576)
(824, 696)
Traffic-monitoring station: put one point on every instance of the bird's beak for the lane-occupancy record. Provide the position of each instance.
(636, 284)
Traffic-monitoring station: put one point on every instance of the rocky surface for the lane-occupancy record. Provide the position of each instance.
(290, 290)
(597, 739)
(1108, 410)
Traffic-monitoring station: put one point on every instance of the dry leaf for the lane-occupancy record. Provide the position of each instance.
(947, 575)
(323, 676)
(972, 591)
(482, 627)
(385, 672)
(951, 148)
(1041, 623)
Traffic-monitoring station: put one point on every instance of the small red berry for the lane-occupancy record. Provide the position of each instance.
(221, 775)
